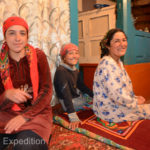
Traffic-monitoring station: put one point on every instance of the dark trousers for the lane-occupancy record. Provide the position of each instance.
(24, 140)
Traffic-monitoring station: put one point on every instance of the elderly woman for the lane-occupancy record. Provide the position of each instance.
(25, 90)
(114, 99)
(69, 85)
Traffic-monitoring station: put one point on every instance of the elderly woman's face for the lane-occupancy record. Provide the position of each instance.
(118, 45)
(71, 58)
(16, 37)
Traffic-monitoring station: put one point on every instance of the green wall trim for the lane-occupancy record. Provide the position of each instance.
(125, 22)
(74, 21)
(138, 41)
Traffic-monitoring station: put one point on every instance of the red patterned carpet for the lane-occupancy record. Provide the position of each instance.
(63, 139)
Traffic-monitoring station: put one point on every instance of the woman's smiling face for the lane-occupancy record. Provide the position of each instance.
(72, 57)
(118, 45)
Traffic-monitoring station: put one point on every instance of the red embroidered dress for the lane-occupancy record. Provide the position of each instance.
(37, 110)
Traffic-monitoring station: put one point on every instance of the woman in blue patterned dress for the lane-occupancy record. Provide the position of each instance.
(114, 99)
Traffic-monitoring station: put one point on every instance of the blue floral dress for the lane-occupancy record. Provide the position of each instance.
(114, 99)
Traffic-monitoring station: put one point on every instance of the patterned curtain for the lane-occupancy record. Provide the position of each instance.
(48, 22)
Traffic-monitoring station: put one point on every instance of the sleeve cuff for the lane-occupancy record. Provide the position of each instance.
(73, 117)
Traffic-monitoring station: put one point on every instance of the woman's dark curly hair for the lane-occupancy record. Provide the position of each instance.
(105, 42)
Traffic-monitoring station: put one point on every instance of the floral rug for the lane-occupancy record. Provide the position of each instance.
(126, 135)
(64, 139)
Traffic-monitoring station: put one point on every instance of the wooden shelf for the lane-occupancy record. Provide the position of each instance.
(141, 14)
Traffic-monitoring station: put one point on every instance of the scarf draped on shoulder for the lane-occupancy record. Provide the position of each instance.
(5, 71)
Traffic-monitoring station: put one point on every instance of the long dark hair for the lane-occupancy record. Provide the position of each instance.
(105, 42)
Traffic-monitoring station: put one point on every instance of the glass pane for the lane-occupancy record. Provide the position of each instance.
(95, 48)
(81, 49)
(80, 26)
(99, 25)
